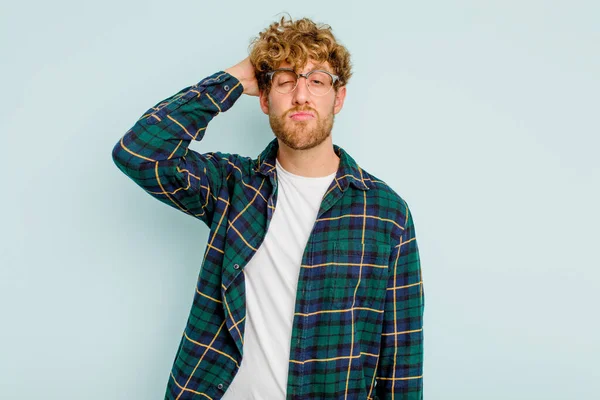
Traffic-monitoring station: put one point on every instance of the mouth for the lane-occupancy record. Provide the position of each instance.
(302, 116)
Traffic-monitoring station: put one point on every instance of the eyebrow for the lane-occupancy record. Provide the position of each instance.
(314, 68)
(322, 67)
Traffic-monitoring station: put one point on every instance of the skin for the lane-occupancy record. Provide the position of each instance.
(305, 144)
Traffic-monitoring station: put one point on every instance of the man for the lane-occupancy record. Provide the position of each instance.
(310, 286)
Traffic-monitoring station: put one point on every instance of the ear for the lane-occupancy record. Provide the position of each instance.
(339, 99)
(264, 101)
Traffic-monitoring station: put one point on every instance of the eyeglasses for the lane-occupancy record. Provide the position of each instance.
(318, 82)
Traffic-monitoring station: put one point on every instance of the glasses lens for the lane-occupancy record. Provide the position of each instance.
(284, 81)
(319, 83)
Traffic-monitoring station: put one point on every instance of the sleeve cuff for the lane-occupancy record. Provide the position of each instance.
(217, 93)
(223, 88)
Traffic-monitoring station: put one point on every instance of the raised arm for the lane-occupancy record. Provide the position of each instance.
(154, 153)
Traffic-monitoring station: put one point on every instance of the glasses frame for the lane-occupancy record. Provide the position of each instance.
(334, 79)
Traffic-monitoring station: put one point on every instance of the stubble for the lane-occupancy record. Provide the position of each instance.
(301, 135)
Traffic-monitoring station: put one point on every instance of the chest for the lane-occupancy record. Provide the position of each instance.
(345, 251)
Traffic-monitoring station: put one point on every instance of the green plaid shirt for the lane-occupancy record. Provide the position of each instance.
(358, 320)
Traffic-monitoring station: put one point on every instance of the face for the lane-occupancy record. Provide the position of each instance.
(300, 119)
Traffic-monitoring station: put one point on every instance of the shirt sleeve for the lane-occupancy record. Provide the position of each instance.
(400, 367)
(154, 153)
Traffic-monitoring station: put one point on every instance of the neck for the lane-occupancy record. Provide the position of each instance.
(312, 163)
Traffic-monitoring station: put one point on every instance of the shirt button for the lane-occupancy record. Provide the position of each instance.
(235, 266)
(220, 386)
(226, 87)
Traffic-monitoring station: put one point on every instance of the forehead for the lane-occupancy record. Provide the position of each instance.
(310, 66)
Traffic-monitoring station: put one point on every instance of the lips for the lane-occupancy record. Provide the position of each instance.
(301, 116)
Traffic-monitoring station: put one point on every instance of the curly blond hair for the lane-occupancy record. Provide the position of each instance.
(296, 42)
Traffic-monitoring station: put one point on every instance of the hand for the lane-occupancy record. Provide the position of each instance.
(244, 72)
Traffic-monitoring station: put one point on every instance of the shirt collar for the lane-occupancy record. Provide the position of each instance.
(348, 173)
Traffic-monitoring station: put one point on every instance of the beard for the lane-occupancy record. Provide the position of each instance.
(301, 135)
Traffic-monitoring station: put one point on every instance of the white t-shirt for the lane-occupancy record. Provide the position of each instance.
(271, 279)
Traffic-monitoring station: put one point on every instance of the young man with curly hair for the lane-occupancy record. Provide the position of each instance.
(310, 286)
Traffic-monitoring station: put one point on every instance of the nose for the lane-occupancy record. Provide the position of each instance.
(301, 93)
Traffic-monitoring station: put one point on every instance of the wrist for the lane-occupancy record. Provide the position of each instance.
(245, 77)
(236, 74)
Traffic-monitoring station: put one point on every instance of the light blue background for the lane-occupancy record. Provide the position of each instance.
(483, 115)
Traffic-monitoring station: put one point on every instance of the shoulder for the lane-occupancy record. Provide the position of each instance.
(389, 203)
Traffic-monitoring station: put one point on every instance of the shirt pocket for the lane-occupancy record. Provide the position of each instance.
(358, 274)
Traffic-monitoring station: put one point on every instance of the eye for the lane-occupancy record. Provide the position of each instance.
(319, 79)
(285, 78)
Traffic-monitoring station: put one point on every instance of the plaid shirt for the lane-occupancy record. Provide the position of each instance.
(358, 321)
